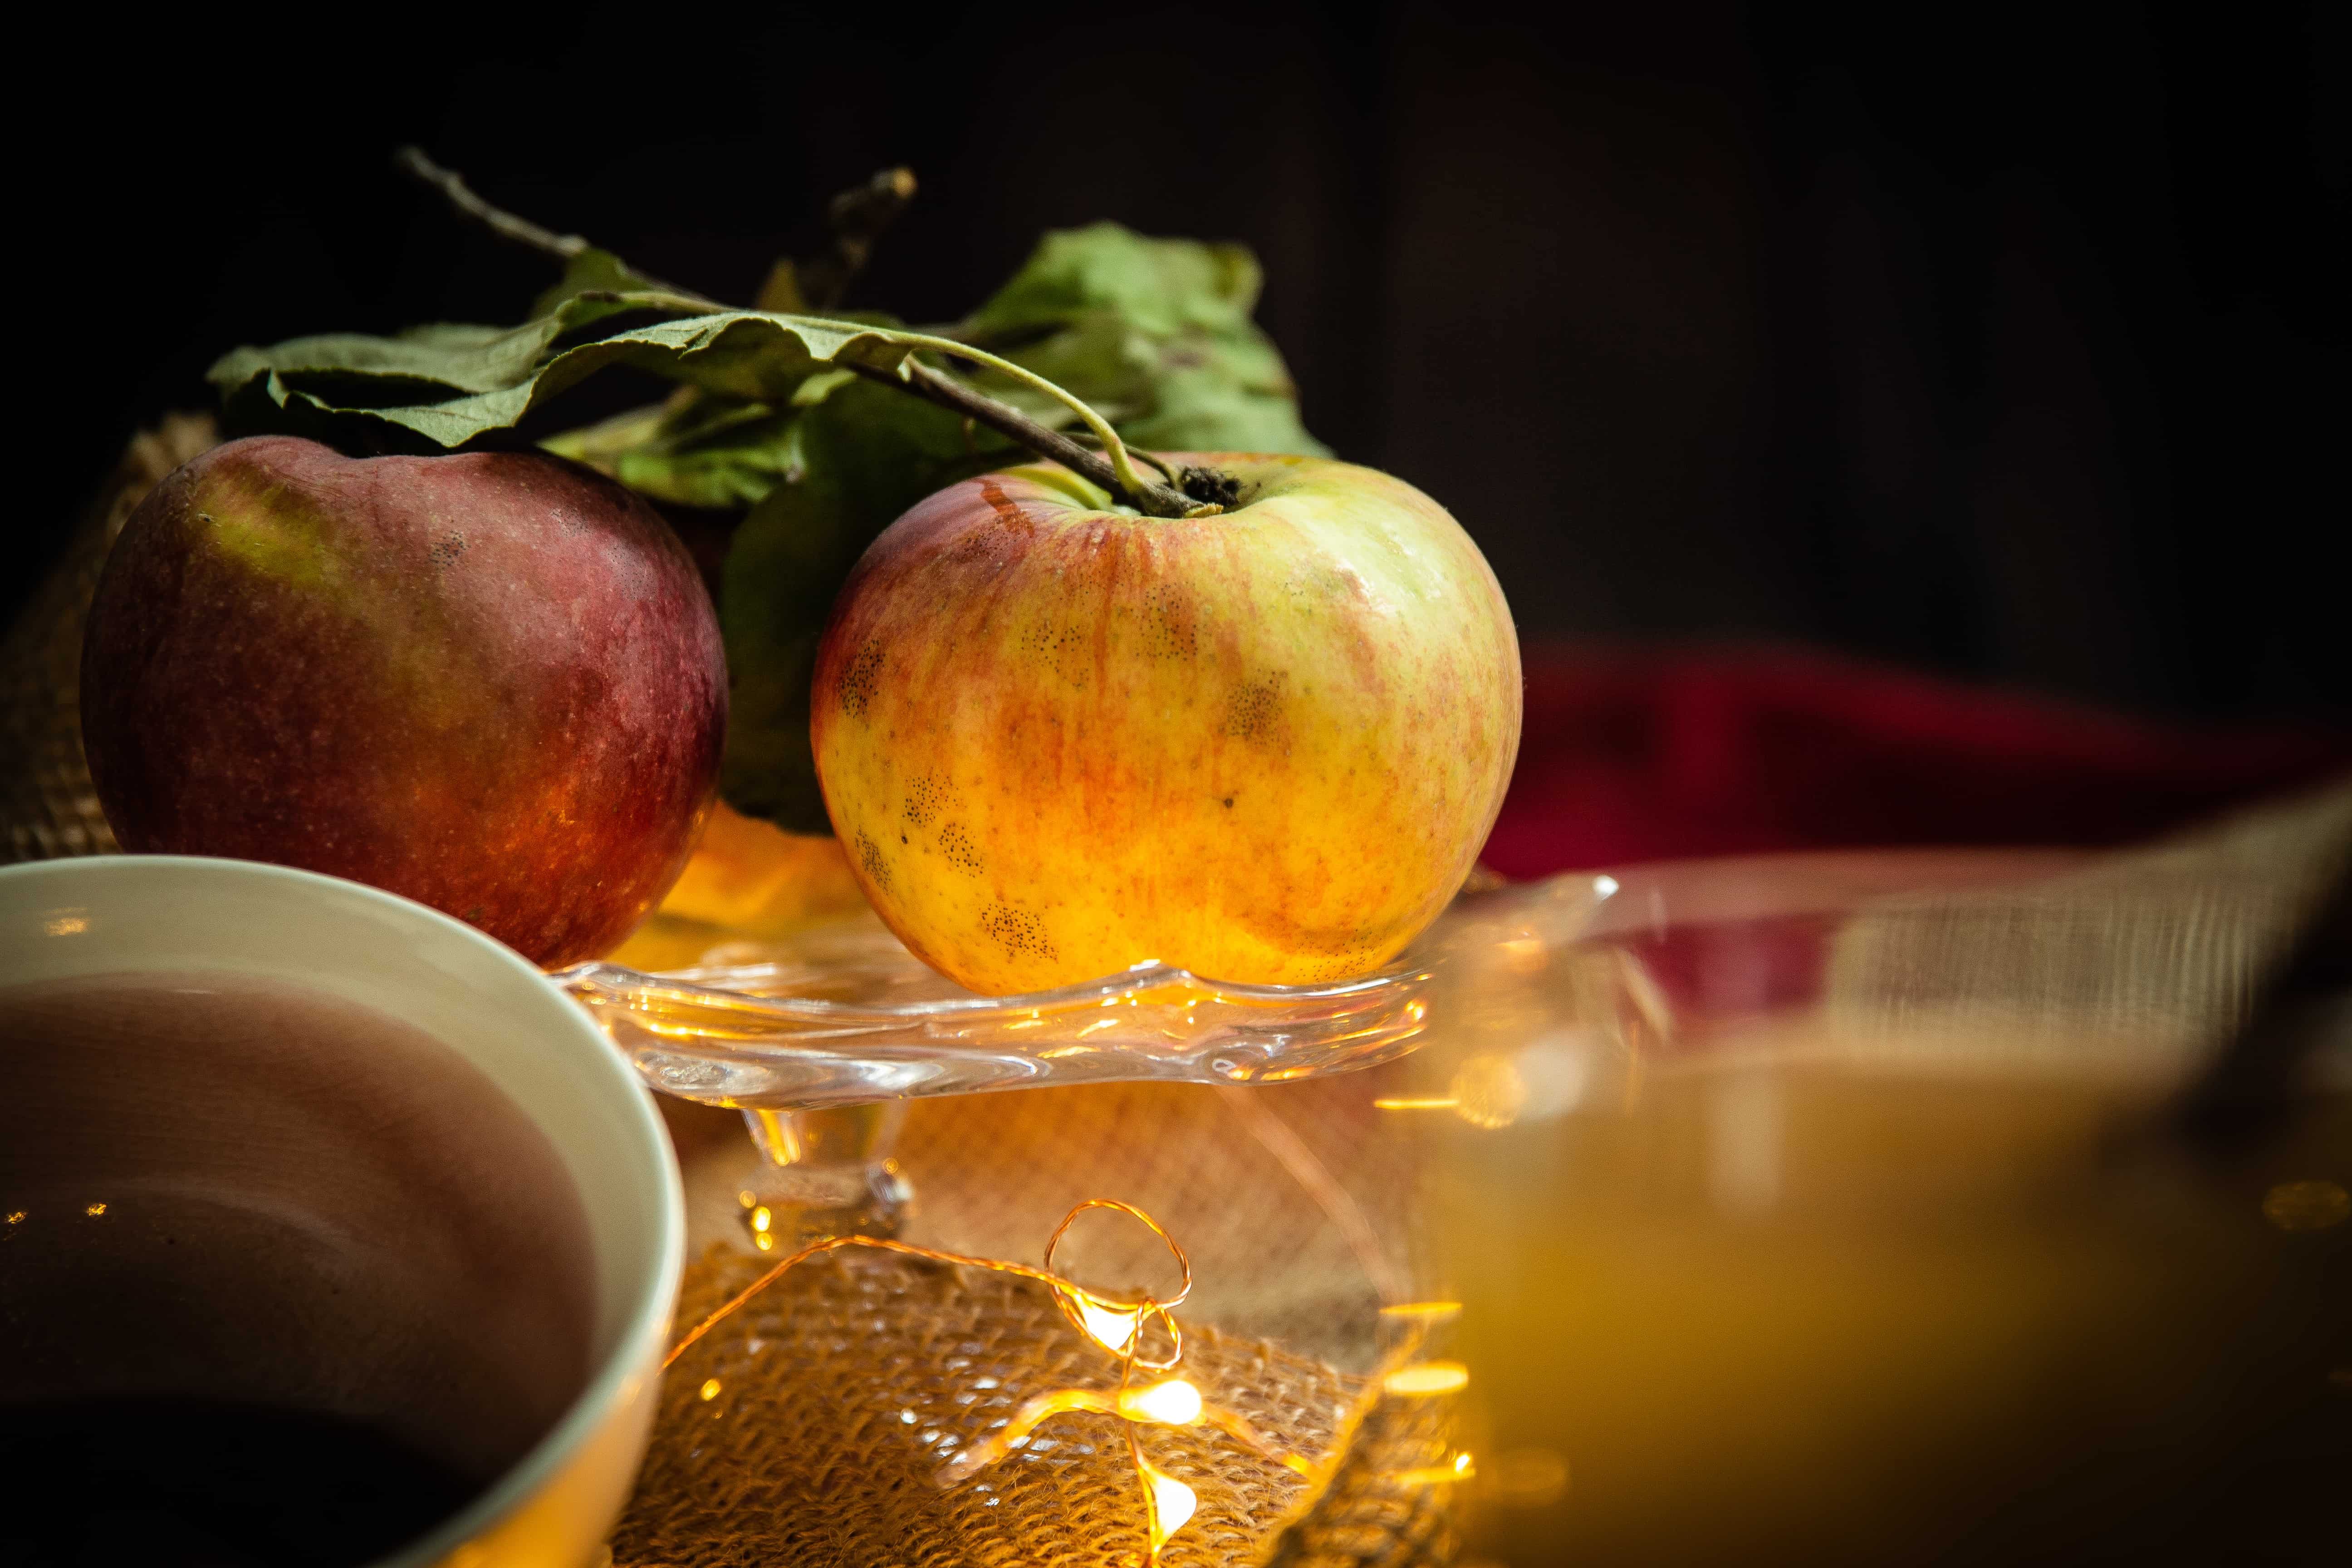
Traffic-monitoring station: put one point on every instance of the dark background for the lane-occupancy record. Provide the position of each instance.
(2010, 348)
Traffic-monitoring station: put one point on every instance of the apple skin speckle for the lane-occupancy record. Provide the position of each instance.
(492, 682)
(1265, 746)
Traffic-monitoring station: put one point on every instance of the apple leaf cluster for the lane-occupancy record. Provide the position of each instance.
(447, 385)
(1155, 334)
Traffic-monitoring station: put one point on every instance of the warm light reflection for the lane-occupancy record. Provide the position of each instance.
(1414, 1102)
(1488, 1091)
(95, 1210)
(1424, 1312)
(1431, 1377)
(16, 1217)
(782, 1140)
(1528, 1478)
(2307, 1206)
(763, 1217)
(709, 1389)
(1524, 955)
(1460, 1469)
(66, 925)
(1173, 1504)
(1554, 1069)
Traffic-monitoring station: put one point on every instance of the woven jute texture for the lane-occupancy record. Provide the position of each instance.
(47, 806)
(842, 1388)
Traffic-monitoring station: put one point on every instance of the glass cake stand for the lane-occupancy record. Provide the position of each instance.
(820, 1037)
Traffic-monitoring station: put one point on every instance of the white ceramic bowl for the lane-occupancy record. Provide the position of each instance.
(68, 920)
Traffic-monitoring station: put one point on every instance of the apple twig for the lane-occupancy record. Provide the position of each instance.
(1146, 496)
(857, 217)
(412, 161)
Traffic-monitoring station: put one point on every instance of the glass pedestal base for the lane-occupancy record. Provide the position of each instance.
(824, 1173)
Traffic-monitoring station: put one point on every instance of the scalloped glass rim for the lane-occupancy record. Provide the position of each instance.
(843, 1013)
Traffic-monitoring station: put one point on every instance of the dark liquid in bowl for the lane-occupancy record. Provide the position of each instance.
(146, 1482)
(282, 1278)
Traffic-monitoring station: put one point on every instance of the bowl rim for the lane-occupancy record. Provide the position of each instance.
(643, 1324)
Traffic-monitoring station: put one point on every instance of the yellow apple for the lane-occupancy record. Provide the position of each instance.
(1058, 739)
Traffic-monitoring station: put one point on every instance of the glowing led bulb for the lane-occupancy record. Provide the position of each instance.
(1173, 1504)
(1174, 1402)
(1111, 1330)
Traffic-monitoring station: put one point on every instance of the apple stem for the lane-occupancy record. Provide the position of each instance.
(1121, 465)
(1146, 496)
(1154, 499)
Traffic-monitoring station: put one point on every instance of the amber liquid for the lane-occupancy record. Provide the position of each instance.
(1773, 1313)
(283, 1279)
(93, 1483)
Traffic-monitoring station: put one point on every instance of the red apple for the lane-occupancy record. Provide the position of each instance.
(492, 682)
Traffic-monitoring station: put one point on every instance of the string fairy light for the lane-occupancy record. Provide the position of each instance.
(1118, 1327)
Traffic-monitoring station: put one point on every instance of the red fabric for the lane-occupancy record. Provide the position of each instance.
(1629, 757)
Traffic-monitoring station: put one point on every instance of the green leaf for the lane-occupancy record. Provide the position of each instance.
(593, 269)
(725, 454)
(1163, 287)
(725, 465)
(1155, 334)
(867, 454)
(451, 384)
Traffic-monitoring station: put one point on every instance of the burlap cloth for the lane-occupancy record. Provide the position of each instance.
(844, 1387)
(47, 807)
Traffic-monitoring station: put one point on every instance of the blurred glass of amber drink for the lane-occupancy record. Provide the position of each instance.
(1795, 1217)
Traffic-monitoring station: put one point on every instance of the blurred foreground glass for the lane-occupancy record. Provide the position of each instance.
(1821, 1209)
